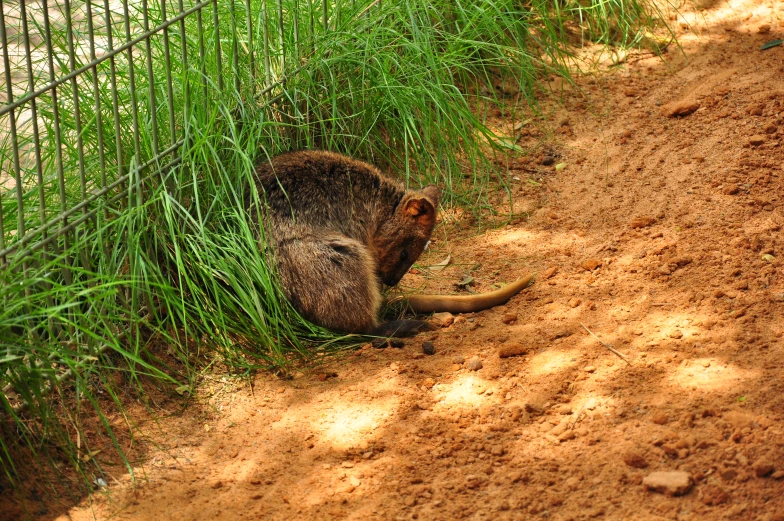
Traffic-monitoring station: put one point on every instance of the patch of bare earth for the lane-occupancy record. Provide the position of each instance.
(662, 236)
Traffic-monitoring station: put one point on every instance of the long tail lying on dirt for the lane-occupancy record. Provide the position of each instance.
(464, 303)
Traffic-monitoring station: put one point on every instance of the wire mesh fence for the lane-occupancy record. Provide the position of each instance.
(96, 100)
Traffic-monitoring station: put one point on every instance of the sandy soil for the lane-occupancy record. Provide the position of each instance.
(661, 235)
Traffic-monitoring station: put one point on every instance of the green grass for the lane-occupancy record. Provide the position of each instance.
(167, 257)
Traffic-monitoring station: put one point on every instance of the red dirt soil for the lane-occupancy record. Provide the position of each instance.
(661, 235)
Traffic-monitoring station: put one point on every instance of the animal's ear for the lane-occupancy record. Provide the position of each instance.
(434, 193)
(420, 209)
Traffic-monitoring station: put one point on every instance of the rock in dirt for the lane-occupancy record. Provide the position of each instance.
(660, 419)
(676, 334)
(396, 342)
(348, 488)
(763, 467)
(326, 376)
(548, 160)
(512, 349)
(549, 272)
(713, 495)
(380, 343)
(728, 474)
(673, 483)
(509, 318)
(756, 140)
(566, 436)
(591, 264)
(642, 222)
(474, 364)
(634, 458)
(574, 302)
(755, 109)
(442, 319)
(428, 348)
(458, 359)
(679, 108)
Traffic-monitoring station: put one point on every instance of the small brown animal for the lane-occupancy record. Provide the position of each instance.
(339, 229)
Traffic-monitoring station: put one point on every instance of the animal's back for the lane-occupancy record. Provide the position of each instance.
(325, 190)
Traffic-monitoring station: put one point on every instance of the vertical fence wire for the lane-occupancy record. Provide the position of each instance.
(235, 48)
(153, 117)
(265, 29)
(168, 73)
(216, 27)
(251, 48)
(132, 84)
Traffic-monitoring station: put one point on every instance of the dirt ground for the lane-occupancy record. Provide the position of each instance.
(661, 235)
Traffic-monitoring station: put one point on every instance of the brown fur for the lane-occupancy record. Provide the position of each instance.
(339, 229)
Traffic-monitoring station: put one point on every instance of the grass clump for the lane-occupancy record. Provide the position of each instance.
(154, 147)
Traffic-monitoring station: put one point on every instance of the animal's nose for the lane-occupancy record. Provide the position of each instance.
(391, 280)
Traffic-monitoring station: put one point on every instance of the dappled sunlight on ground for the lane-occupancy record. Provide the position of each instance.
(465, 391)
(706, 374)
(345, 426)
(550, 362)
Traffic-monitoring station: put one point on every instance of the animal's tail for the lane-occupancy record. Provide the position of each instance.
(464, 303)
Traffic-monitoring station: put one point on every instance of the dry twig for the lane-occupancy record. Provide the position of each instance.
(608, 346)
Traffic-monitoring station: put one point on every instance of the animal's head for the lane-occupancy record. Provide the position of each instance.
(402, 238)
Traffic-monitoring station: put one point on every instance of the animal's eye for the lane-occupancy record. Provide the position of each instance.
(403, 255)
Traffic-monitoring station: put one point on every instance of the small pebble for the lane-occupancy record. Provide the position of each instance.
(642, 222)
(635, 459)
(396, 342)
(380, 343)
(589, 369)
(660, 419)
(458, 359)
(509, 318)
(762, 467)
(679, 108)
(729, 474)
(548, 160)
(591, 264)
(474, 364)
(674, 483)
(444, 319)
(512, 349)
(428, 348)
